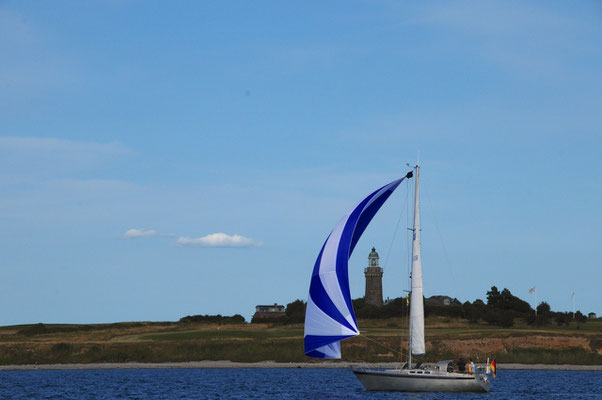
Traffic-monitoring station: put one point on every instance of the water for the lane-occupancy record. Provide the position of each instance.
(243, 383)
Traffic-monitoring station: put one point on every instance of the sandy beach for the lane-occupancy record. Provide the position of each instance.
(269, 364)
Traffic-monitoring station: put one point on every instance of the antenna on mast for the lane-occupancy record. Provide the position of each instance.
(573, 301)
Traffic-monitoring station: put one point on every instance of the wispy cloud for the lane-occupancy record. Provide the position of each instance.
(14, 29)
(218, 240)
(300, 57)
(495, 17)
(47, 157)
(23, 45)
(134, 233)
(53, 145)
(533, 39)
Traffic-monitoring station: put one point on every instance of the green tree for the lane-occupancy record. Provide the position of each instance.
(580, 318)
(494, 297)
(561, 318)
(543, 309)
(475, 311)
(295, 311)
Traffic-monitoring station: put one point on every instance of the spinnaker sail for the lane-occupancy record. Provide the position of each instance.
(329, 317)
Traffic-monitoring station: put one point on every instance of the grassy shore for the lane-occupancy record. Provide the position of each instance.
(381, 342)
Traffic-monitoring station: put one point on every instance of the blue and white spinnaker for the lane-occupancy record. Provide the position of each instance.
(329, 317)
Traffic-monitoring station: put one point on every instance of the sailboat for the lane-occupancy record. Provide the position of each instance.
(330, 318)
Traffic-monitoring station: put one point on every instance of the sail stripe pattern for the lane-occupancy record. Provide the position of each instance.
(329, 317)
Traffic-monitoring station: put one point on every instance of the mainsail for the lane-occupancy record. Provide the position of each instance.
(329, 317)
(416, 297)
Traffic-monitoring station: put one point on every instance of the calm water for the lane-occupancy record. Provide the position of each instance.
(271, 384)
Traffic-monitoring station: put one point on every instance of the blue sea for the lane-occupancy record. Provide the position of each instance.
(248, 383)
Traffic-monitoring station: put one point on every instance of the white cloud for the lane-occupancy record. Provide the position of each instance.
(134, 233)
(218, 240)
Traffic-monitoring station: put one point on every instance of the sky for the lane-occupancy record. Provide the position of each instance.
(163, 159)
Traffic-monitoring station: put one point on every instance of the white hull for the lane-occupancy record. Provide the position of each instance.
(419, 381)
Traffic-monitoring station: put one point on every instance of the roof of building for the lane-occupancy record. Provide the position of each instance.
(440, 300)
(373, 253)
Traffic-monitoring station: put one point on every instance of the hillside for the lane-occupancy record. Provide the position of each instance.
(380, 342)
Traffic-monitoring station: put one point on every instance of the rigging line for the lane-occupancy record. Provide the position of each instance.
(395, 233)
(447, 259)
(381, 344)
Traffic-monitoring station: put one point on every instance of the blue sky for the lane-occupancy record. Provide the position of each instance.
(132, 132)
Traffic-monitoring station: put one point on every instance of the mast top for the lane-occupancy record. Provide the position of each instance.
(411, 173)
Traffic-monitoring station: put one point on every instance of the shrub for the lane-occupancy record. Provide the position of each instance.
(214, 319)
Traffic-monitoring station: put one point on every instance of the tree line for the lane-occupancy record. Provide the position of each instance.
(214, 319)
(500, 309)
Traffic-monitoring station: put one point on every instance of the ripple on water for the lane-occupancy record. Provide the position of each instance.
(249, 383)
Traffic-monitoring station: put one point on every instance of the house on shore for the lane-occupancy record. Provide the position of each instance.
(442, 301)
(272, 311)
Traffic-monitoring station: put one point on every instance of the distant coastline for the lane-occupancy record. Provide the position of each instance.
(268, 364)
(263, 345)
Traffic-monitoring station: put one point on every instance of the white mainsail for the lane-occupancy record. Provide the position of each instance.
(416, 298)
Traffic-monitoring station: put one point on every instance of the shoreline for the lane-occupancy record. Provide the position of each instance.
(269, 364)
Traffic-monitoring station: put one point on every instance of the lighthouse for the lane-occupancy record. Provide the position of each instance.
(374, 280)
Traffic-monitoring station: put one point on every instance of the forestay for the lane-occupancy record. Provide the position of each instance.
(329, 317)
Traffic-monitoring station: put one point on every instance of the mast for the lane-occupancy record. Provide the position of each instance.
(416, 340)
